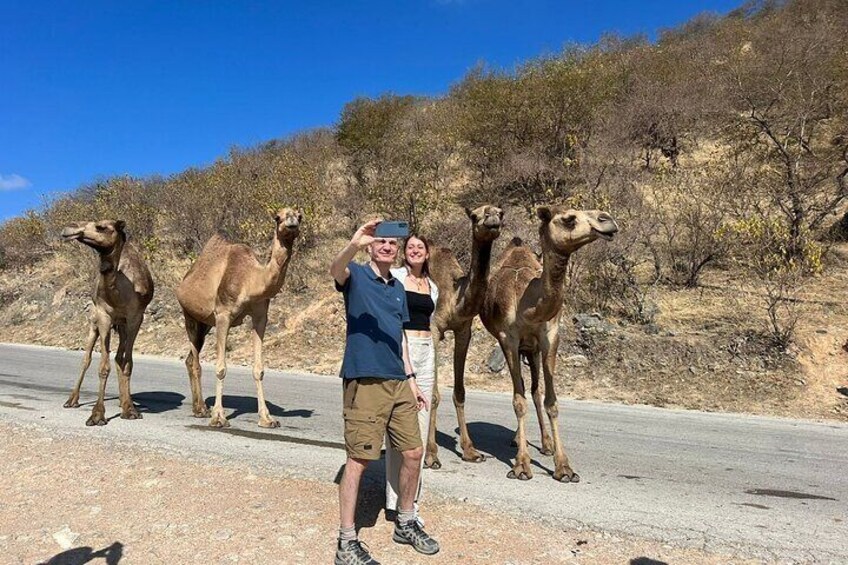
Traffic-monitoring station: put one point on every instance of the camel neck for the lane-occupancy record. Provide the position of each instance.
(275, 269)
(554, 266)
(481, 258)
(110, 260)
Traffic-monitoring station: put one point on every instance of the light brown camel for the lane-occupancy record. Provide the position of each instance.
(123, 290)
(226, 284)
(522, 310)
(460, 299)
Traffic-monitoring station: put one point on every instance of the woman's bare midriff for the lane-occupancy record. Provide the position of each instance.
(418, 333)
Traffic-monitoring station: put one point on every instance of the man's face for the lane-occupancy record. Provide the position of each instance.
(384, 250)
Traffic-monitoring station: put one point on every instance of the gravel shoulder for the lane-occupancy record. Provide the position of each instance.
(72, 500)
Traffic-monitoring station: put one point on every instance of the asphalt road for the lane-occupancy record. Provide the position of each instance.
(755, 486)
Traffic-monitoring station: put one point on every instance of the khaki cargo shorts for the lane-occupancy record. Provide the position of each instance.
(374, 408)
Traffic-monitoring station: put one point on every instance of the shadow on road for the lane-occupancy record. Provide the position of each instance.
(249, 405)
(158, 401)
(646, 561)
(498, 441)
(81, 555)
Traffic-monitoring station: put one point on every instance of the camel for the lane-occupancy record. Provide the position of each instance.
(123, 290)
(224, 285)
(522, 310)
(460, 298)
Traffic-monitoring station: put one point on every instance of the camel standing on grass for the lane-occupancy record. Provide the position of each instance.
(460, 299)
(522, 310)
(123, 290)
(226, 284)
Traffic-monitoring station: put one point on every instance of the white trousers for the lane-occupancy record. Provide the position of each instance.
(422, 356)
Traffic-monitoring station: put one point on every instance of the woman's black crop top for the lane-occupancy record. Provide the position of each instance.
(420, 309)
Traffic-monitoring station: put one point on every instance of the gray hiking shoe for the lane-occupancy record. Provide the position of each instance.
(353, 552)
(411, 533)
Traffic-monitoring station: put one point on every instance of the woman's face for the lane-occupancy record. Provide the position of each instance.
(415, 252)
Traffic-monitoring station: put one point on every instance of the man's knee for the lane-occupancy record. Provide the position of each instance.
(415, 454)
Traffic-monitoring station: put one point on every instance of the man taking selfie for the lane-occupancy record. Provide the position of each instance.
(381, 397)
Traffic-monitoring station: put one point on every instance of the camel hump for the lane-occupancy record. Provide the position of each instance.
(444, 266)
(518, 257)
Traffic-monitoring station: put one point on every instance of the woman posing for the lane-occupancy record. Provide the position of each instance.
(421, 298)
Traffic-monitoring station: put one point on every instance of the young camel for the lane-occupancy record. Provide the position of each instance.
(226, 284)
(123, 290)
(522, 310)
(460, 299)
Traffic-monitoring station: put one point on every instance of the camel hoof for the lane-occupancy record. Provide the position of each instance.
(98, 420)
(219, 422)
(205, 413)
(435, 465)
(544, 451)
(134, 415)
(567, 477)
(474, 458)
(521, 476)
(269, 423)
(71, 404)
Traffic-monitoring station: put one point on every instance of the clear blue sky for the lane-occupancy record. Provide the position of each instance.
(95, 88)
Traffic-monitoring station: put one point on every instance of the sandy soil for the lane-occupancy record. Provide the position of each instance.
(68, 501)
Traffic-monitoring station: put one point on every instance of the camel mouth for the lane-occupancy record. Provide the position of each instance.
(606, 236)
(69, 234)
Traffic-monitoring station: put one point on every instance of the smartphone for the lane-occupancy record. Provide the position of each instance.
(392, 229)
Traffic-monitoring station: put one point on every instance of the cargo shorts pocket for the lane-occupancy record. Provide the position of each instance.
(363, 434)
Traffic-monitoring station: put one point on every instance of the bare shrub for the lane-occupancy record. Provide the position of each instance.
(23, 240)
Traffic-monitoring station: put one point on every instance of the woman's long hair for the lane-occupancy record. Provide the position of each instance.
(425, 269)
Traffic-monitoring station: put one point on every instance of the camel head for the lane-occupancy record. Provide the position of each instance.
(567, 230)
(486, 222)
(102, 236)
(288, 224)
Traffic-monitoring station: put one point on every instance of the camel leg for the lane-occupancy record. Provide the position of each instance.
(431, 458)
(128, 334)
(521, 470)
(73, 399)
(98, 413)
(196, 337)
(536, 393)
(222, 330)
(259, 322)
(462, 340)
(562, 470)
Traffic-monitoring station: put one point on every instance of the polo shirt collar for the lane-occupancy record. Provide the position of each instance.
(369, 270)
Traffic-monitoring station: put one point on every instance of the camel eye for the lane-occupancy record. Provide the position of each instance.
(569, 221)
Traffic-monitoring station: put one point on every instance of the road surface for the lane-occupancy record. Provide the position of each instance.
(754, 486)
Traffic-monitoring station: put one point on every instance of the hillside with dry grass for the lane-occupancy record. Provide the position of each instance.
(721, 150)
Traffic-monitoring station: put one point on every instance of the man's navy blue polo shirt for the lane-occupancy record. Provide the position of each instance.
(375, 310)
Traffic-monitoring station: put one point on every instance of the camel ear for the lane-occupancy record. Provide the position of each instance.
(277, 218)
(544, 213)
(120, 225)
(470, 214)
(299, 216)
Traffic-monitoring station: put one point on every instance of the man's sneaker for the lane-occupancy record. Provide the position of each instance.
(353, 552)
(411, 533)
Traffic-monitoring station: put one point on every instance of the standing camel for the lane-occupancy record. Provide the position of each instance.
(460, 299)
(226, 284)
(522, 310)
(123, 290)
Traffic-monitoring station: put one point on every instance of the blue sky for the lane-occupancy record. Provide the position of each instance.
(96, 88)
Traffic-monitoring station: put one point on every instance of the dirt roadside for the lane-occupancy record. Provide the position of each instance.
(69, 501)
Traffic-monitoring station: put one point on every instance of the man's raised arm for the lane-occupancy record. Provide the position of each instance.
(363, 236)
